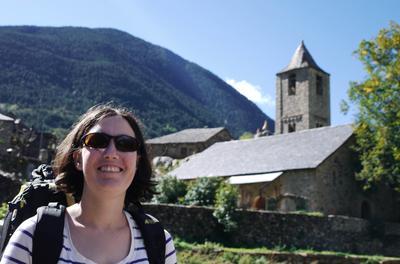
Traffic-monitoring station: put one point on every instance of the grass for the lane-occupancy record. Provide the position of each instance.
(213, 253)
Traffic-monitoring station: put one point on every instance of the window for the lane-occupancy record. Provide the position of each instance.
(292, 84)
(291, 127)
(319, 85)
(272, 204)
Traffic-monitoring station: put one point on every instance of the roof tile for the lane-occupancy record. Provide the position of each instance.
(301, 150)
(191, 135)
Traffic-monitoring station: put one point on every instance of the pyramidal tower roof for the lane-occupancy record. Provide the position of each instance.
(302, 59)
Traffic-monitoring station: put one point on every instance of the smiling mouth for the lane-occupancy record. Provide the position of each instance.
(109, 169)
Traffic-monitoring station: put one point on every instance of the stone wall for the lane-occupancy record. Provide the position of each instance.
(338, 193)
(183, 150)
(175, 150)
(335, 186)
(271, 229)
(319, 105)
(306, 108)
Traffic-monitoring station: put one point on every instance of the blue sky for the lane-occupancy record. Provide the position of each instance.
(243, 42)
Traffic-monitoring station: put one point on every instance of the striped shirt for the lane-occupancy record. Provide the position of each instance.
(19, 248)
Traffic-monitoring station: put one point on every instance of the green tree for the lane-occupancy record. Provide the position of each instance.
(378, 100)
(203, 191)
(225, 206)
(170, 189)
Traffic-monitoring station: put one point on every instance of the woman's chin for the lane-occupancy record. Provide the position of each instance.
(107, 185)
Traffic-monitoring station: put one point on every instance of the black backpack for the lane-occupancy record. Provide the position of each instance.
(40, 196)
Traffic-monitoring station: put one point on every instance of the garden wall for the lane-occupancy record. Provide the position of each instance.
(273, 229)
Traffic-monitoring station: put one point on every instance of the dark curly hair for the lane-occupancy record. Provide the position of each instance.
(70, 180)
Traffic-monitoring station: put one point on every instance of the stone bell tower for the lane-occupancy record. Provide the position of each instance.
(302, 94)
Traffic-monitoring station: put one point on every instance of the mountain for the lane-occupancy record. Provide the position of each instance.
(49, 76)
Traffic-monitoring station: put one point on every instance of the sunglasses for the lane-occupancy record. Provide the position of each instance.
(122, 143)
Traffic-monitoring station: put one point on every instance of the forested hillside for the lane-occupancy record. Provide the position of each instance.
(49, 76)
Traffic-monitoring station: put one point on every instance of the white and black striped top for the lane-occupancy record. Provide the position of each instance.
(19, 248)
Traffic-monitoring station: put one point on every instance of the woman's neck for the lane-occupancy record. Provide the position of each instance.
(98, 213)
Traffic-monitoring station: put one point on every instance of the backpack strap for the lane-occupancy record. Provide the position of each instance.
(48, 236)
(153, 235)
(5, 236)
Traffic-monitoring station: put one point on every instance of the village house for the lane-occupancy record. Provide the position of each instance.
(307, 165)
(186, 142)
(7, 128)
(19, 142)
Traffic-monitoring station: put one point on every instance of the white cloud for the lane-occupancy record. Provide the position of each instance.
(252, 92)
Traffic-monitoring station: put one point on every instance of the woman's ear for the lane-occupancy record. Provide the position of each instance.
(77, 159)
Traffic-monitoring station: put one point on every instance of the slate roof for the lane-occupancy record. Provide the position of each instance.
(301, 150)
(302, 59)
(191, 135)
(5, 118)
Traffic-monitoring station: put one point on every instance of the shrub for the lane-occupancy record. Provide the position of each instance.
(231, 257)
(225, 206)
(246, 259)
(3, 210)
(261, 260)
(246, 135)
(190, 258)
(170, 189)
(202, 191)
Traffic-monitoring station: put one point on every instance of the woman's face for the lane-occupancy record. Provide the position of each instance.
(108, 170)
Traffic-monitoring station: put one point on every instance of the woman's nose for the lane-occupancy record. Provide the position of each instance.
(110, 151)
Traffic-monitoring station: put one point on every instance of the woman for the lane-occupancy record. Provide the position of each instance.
(104, 164)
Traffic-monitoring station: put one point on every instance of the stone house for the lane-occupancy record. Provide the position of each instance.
(36, 145)
(310, 170)
(186, 142)
(22, 148)
(42, 147)
(7, 128)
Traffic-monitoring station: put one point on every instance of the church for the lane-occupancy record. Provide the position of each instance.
(307, 165)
